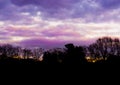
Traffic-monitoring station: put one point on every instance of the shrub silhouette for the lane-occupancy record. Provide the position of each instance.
(54, 56)
(74, 55)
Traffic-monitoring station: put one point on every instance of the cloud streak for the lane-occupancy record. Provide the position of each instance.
(51, 23)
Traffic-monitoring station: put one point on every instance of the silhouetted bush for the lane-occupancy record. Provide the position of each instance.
(54, 56)
(74, 55)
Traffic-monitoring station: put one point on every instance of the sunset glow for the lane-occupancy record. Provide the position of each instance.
(53, 23)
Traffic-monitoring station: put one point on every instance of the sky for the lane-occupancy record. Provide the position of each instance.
(53, 23)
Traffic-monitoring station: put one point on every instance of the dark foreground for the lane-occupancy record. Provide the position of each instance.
(18, 61)
(12, 61)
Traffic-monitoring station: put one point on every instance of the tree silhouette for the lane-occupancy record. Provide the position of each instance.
(36, 53)
(74, 55)
(104, 47)
(26, 53)
(54, 56)
(7, 50)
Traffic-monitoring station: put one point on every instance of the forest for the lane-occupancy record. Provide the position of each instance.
(105, 50)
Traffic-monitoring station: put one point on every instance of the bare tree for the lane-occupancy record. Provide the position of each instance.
(37, 53)
(104, 47)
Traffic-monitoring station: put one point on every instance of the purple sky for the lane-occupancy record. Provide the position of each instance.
(53, 23)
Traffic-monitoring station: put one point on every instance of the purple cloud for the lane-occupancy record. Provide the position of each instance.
(51, 23)
(109, 4)
(41, 42)
(54, 4)
(62, 30)
(48, 44)
(49, 8)
(62, 9)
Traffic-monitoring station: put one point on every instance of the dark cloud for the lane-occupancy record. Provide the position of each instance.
(24, 2)
(47, 44)
(3, 3)
(44, 43)
(56, 4)
(49, 8)
(109, 4)
(57, 9)
(45, 3)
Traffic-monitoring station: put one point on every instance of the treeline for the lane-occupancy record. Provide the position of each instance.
(18, 52)
(104, 50)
